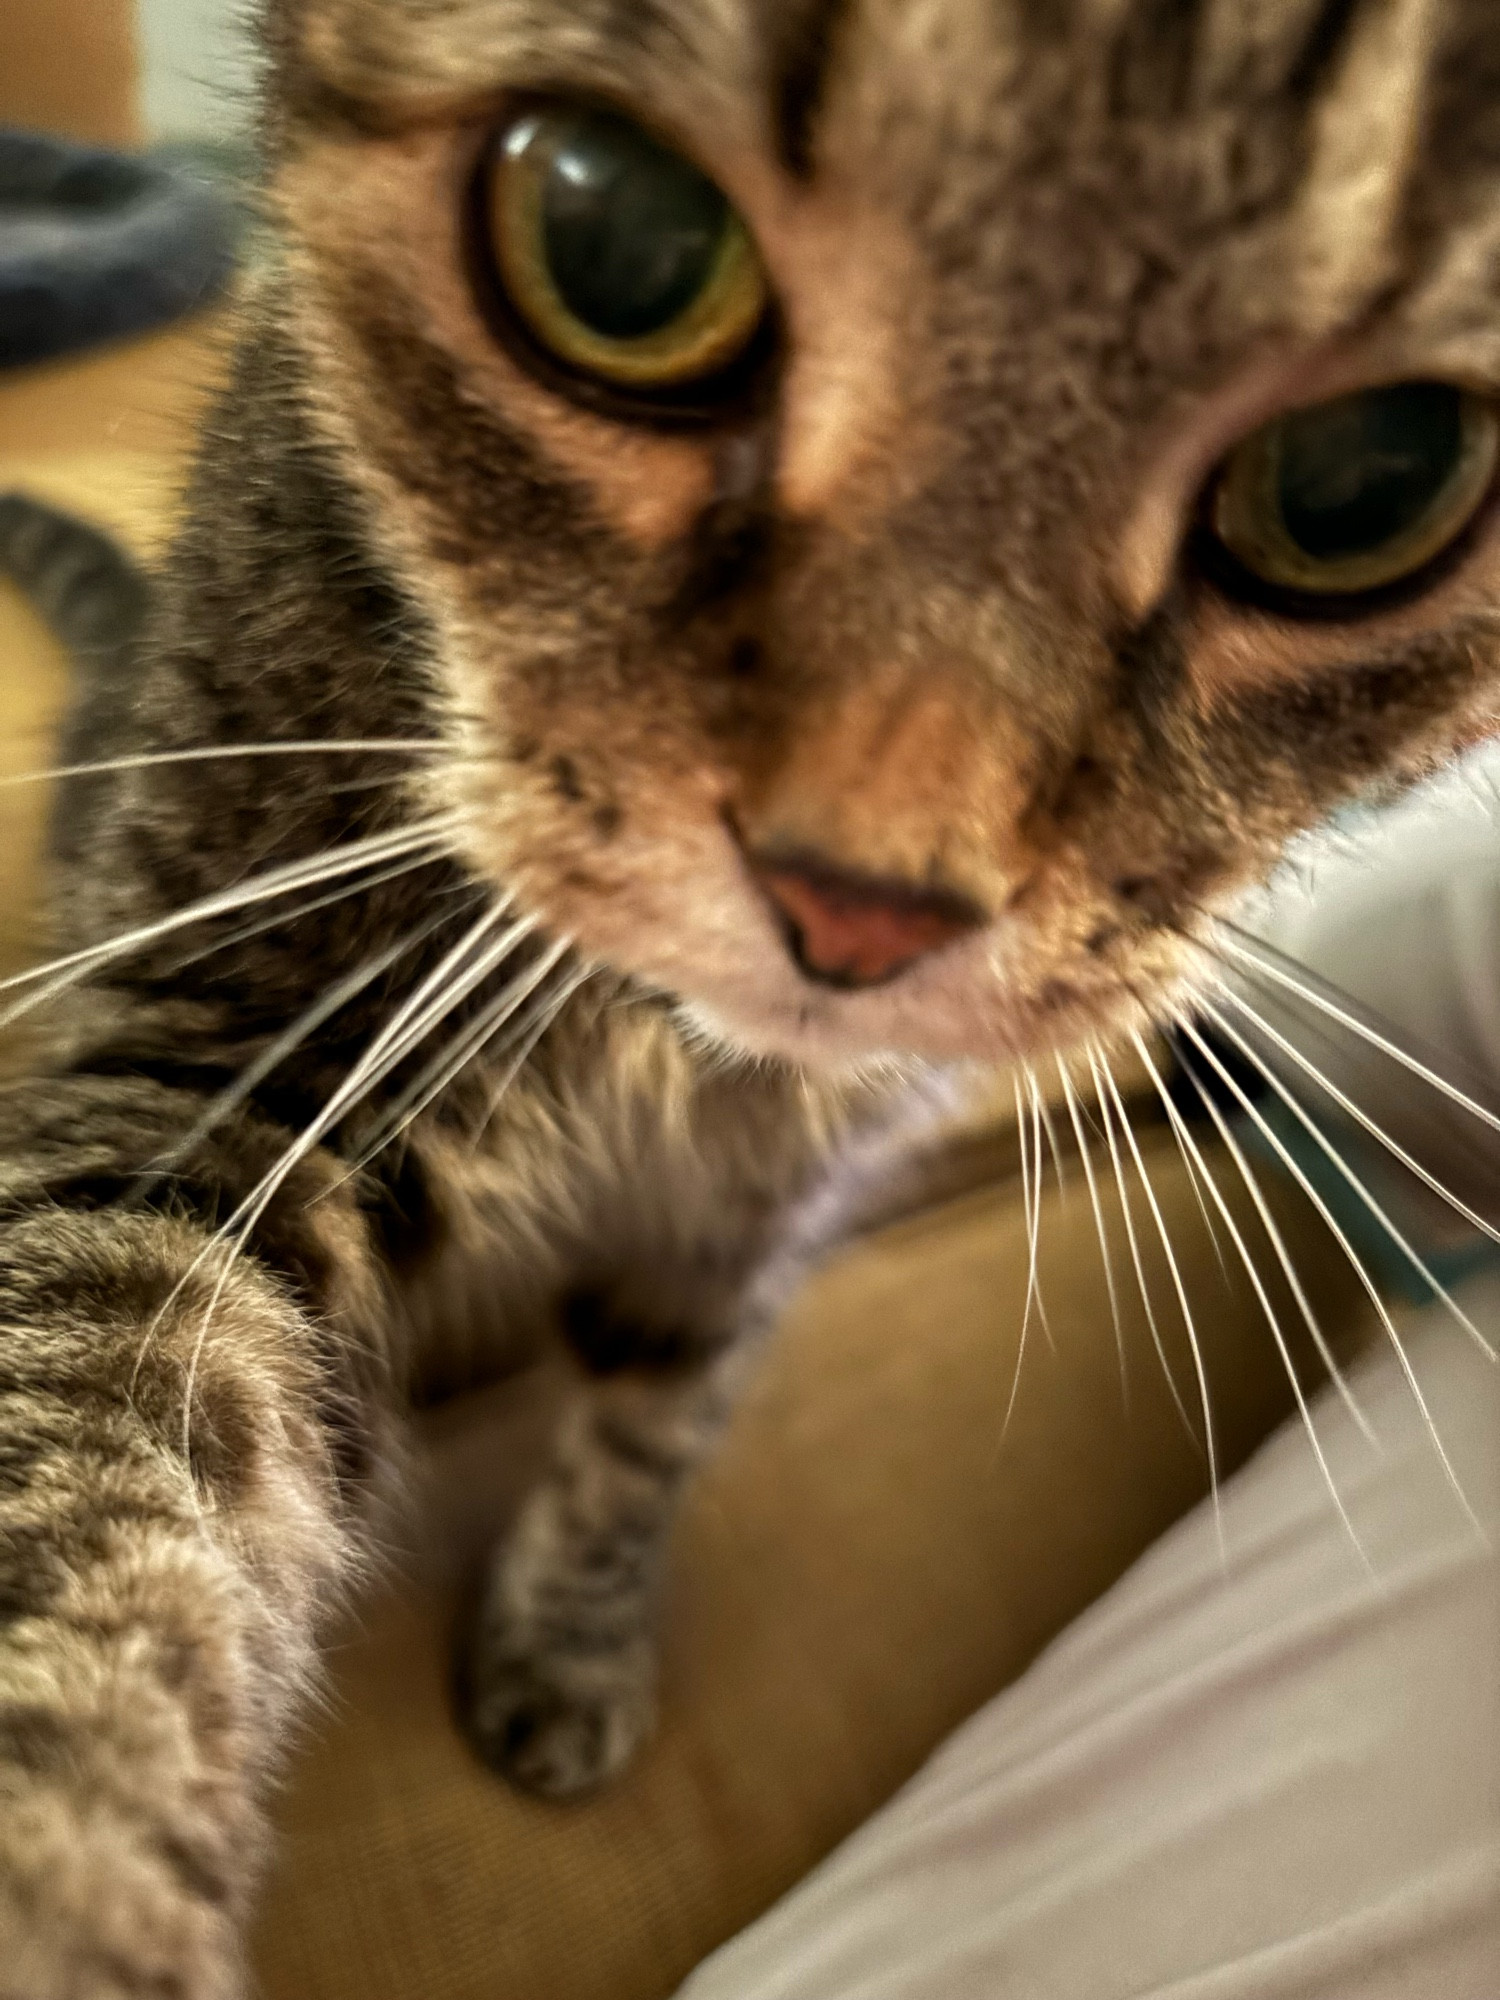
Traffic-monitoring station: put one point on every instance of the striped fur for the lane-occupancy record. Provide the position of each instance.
(1034, 258)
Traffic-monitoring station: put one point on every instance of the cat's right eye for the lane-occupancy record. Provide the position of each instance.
(1331, 503)
(622, 261)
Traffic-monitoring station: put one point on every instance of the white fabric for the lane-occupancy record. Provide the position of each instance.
(1403, 909)
(1269, 1776)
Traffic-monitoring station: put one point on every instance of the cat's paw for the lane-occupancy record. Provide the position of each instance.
(559, 1724)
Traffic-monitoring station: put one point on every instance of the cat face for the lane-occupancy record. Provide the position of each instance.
(918, 499)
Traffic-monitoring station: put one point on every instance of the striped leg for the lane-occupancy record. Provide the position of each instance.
(561, 1680)
(163, 1570)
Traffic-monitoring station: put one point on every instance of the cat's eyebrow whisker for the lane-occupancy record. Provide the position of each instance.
(1095, 1058)
(1361, 1117)
(1257, 1283)
(60, 973)
(1184, 1306)
(353, 746)
(1290, 1163)
(1274, 1233)
(1086, 1159)
(1264, 959)
(1320, 1138)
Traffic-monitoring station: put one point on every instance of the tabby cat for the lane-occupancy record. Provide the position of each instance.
(753, 549)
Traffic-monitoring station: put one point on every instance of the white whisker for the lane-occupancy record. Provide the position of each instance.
(1034, 1227)
(531, 1036)
(1252, 1272)
(451, 980)
(315, 747)
(1352, 1022)
(1095, 1057)
(1085, 1155)
(1278, 1241)
(1195, 1184)
(295, 913)
(1031, 1250)
(1356, 1263)
(307, 1023)
(1041, 1107)
(1320, 1138)
(60, 973)
(469, 1042)
(1210, 1445)
(1361, 1117)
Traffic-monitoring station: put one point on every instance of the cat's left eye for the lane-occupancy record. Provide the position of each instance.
(1356, 495)
(621, 260)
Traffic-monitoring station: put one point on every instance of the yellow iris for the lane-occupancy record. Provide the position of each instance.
(621, 259)
(1359, 493)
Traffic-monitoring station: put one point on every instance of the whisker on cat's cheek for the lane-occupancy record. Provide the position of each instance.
(1086, 1157)
(1114, 1111)
(1293, 1167)
(1257, 1283)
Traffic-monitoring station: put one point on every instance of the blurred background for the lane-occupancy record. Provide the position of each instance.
(154, 71)
(102, 426)
(194, 70)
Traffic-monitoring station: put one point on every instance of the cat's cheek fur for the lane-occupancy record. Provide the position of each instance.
(1234, 650)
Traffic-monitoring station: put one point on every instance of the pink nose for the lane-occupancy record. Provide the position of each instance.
(848, 929)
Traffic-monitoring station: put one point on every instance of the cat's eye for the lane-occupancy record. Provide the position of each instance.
(1358, 494)
(621, 259)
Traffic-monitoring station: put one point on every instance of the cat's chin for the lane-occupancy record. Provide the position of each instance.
(825, 1029)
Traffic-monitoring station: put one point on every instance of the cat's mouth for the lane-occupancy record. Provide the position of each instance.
(781, 948)
(839, 964)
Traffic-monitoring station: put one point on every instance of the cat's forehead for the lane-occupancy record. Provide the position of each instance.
(1213, 109)
(1041, 155)
(784, 57)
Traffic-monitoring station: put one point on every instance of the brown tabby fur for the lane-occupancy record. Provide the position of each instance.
(1040, 262)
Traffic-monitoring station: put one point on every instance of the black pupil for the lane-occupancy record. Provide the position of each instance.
(630, 230)
(1357, 473)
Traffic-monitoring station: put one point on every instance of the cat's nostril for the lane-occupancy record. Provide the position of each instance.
(849, 929)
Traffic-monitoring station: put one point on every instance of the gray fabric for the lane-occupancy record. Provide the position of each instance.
(95, 245)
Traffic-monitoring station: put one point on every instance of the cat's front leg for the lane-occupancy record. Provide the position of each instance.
(695, 1204)
(561, 1677)
(175, 1511)
(561, 1671)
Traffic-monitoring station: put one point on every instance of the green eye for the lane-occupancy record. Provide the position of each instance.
(621, 258)
(1356, 494)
